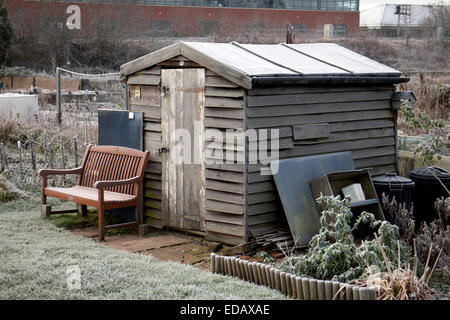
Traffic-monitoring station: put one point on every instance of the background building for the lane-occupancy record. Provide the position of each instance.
(384, 20)
(181, 18)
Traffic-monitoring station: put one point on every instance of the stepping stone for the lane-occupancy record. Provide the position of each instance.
(166, 254)
(137, 244)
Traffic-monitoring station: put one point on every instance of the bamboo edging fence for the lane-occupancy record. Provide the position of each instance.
(289, 284)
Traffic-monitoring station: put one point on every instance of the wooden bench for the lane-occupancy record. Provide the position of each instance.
(110, 177)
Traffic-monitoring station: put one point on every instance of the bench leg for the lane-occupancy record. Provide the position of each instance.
(46, 211)
(82, 210)
(101, 223)
(142, 230)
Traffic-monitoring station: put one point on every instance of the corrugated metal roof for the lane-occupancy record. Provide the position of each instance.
(292, 59)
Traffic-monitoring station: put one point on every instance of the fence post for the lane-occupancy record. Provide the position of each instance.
(4, 158)
(75, 151)
(58, 94)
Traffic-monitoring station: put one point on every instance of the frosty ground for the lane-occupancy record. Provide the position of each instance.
(35, 256)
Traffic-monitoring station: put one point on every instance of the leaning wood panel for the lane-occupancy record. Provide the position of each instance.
(318, 98)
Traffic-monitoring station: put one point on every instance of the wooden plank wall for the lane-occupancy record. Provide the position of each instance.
(357, 119)
(224, 109)
(149, 102)
(225, 192)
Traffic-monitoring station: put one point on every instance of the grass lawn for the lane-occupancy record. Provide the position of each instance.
(35, 255)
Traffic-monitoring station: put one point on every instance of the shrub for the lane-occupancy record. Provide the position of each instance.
(333, 252)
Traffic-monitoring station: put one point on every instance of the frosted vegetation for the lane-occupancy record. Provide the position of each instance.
(35, 254)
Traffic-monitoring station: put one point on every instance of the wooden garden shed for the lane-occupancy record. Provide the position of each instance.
(322, 97)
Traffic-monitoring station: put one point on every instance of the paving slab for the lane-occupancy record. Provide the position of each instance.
(192, 247)
(137, 244)
(171, 254)
(166, 254)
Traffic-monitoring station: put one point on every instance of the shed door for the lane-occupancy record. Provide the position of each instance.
(183, 172)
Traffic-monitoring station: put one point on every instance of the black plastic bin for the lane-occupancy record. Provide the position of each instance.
(396, 186)
(427, 189)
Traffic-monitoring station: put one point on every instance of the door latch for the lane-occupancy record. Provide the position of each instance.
(164, 90)
(161, 150)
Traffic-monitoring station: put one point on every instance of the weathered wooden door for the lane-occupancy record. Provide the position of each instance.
(183, 170)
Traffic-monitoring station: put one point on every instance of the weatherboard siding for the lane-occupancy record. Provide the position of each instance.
(225, 192)
(225, 188)
(318, 120)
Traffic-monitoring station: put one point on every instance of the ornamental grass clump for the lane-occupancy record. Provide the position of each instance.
(401, 283)
(333, 253)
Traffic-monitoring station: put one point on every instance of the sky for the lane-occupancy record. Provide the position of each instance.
(365, 4)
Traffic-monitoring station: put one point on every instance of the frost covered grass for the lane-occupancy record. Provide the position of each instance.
(35, 255)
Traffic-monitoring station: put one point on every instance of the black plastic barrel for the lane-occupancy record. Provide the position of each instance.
(427, 189)
(396, 186)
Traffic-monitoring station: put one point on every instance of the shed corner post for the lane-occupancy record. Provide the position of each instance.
(246, 233)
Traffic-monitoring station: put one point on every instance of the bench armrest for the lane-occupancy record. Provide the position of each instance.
(112, 183)
(52, 172)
